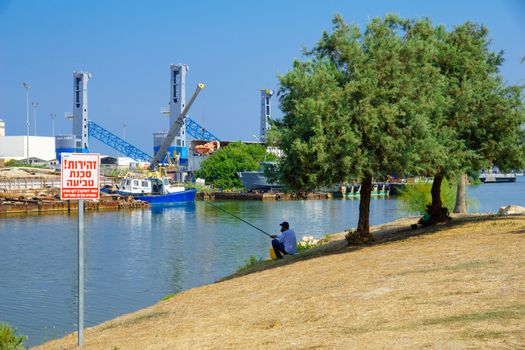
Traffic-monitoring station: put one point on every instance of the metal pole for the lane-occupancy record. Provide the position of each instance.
(26, 86)
(35, 104)
(53, 115)
(80, 272)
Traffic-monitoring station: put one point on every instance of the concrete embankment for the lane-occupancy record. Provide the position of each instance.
(454, 286)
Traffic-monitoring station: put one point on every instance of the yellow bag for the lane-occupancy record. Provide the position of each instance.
(272, 254)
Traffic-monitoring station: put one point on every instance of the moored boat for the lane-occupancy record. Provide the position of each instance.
(497, 177)
(180, 197)
(257, 180)
(154, 190)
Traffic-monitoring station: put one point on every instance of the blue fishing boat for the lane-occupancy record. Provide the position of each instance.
(180, 197)
(154, 190)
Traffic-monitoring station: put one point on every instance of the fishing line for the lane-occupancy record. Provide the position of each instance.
(235, 216)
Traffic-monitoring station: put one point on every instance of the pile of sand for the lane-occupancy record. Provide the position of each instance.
(13, 173)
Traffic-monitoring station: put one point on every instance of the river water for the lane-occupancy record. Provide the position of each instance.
(134, 258)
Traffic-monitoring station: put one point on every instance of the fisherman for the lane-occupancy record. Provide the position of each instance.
(284, 243)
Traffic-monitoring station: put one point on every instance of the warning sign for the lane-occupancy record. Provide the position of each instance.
(80, 176)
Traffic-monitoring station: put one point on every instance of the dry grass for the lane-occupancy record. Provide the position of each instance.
(458, 286)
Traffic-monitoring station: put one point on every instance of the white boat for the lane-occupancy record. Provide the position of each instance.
(497, 177)
(154, 190)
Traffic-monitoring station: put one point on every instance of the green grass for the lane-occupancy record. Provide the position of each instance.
(502, 314)
(169, 296)
(302, 246)
(250, 263)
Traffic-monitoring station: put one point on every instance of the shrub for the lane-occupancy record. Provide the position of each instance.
(8, 338)
(416, 198)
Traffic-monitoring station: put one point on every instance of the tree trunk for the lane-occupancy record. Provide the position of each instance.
(362, 234)
(436, 211)
(461, 196)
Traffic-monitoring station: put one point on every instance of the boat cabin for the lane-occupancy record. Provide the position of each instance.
(144, 186)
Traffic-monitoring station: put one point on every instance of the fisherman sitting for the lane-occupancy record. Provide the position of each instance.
(284, 243)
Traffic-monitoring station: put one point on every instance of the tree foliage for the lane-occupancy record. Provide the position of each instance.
(480, 124)
(357, 108)
(220, 169)
(403, 96)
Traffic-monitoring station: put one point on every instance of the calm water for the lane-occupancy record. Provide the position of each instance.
(135, 258)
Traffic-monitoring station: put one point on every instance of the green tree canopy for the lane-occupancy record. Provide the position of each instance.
(220, 169)
(403, 96)
(479, 126)
(358, 107)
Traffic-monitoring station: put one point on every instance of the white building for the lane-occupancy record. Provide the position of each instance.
(15, 147)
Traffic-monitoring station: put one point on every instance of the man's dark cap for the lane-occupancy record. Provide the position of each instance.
(285, 224)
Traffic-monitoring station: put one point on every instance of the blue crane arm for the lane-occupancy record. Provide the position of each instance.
(198, 132)
(117, 143)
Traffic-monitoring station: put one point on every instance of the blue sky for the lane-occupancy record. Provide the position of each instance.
(235, 47)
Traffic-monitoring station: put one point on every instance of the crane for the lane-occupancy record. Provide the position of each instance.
(175, 128)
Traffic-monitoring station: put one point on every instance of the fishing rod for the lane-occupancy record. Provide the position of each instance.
(235, 216)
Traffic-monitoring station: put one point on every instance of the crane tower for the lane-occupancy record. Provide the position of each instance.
(266, 94)
(177, 102)
(80, 110)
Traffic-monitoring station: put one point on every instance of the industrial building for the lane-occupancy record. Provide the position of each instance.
(16, 147)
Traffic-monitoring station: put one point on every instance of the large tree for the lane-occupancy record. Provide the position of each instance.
(358, 108)
(480, 125)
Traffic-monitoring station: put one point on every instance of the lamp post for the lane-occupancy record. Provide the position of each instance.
(34, 104)
(53, 116)
(27, 87)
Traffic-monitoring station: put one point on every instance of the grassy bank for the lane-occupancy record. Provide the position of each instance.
(459, 285)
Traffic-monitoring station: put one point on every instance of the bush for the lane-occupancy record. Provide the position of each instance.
(8, 338)
(414, 199)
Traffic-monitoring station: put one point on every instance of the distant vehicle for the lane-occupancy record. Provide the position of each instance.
(257, 180)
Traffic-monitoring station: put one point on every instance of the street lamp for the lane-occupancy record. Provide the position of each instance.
(34, 104)
(124, 125)
(27, 87)
(53, 115)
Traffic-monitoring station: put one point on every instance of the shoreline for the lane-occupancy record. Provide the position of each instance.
(35, 205)
(483, 246)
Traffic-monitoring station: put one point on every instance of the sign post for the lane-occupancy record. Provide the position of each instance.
(80, 179)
